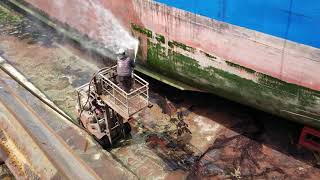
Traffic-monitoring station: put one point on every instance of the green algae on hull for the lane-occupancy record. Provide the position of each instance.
(251, 71)
(263, 92)
(137, 28)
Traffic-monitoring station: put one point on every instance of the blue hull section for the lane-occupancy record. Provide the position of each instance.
(295, 20)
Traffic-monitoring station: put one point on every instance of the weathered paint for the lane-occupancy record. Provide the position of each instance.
(253, 68)
(297, 21)
(233, 81)
(285, 60)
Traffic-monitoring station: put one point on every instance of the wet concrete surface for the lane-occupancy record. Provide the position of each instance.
(185, 135)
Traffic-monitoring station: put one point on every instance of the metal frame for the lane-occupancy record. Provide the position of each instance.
(123, 101)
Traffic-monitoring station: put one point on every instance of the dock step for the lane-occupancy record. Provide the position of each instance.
(310, 138)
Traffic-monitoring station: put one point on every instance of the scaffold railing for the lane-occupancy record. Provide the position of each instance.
(124, 103)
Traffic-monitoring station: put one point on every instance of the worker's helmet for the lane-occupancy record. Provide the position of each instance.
(122, 52)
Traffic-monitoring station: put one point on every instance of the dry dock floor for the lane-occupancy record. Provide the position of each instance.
(227, 140)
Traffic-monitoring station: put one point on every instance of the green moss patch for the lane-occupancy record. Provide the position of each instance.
(141, 30)
(240, 67)
(9, 19)
(181, 46)
(267, 93)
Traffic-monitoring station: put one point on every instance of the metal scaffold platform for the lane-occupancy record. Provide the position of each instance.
(104, 108)
(124, 103)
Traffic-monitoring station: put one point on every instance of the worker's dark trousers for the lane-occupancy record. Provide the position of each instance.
(125, 83)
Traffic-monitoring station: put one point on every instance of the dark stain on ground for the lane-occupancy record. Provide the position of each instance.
(253, 144)
(29, 29)
(82, 77)
(256, 149)
(175, 154)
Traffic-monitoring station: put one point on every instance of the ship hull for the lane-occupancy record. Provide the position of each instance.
(254, 68)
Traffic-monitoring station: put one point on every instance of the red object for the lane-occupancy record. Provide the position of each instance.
(308, 142)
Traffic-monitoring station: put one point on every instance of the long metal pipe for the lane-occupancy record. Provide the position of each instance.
(17, 76)
(57, 151)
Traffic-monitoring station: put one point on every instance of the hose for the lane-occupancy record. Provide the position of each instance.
(89, 90)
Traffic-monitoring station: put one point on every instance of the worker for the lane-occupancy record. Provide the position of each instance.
(125, 66)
